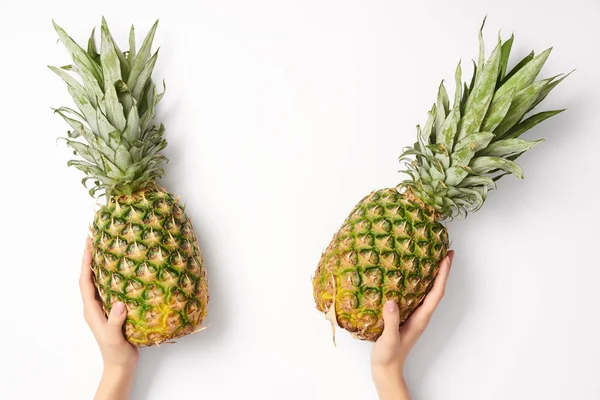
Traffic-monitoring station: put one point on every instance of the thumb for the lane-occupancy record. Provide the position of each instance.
(391, 320)
(114, 326)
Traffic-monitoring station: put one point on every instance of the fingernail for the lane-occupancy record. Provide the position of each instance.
(391, 305)
(119, 307)
(451, 255)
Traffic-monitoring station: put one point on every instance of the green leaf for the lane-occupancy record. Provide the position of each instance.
(83, 58)
(424, 175)
(525, 76)
(410, 151)
(498, 111)
(148, 115)
(465, 96)
(481, 59)
(518, 67)
(91, 84)
(438, 148)
(85, 107)
(70, 111)
(83, 150)
(509, 147)
(146, 100)
(160, 96)
(466, 148)
(443, 107)
(425, 134)
(144, 76)
(104, 129)
(504, 57)
(100, 181)
(546, 90)
(109, 59)
(111, 170)
(132, 53)
(96, 189)
(125, 96)
(481, 180)
(529, 123)
(132, 131)
(123, 61)
(449, 129)
(473, 78)
(122, 158)
(442, 155)
(436, 174)
(520, 105)
(474, 198)
(455, 175)
(422, 159)
(92, 47)
(142, 57)
(69, 80)
(121, 87)
(136, 155)
(153, 141)
(98, 144)
(88, 168)
(114, 109)
(458, 87)
(482, 165)
(481, 96)
(77, 126)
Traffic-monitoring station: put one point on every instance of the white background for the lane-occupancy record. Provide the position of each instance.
(280, 116)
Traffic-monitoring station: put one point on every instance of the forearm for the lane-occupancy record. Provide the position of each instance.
(391, 386)
(116, 384)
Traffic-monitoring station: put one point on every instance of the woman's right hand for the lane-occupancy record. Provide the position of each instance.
(119, 356)
(392, 348)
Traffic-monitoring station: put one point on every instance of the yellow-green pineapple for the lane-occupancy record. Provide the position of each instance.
(390, 245)
(145, 251)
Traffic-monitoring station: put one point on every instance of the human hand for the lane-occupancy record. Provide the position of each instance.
(119, 356)
(392, 347)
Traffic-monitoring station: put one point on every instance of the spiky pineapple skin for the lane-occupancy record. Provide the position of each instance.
(389, 248)
(146, 254)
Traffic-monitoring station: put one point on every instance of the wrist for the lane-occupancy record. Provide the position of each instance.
(116, 382)
(390, 386)
(124, 366)
(388, 372)
(389, 382)
(119, 372)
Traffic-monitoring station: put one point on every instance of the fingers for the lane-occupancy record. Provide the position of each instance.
(114, 326)
(420, 318)
(92, 310)
(439, 286)
(391, 320)
(88, 292)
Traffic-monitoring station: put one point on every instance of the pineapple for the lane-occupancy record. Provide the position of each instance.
(145, 251)
(390, 245)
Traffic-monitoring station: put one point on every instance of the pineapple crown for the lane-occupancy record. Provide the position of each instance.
(463, 150)
(116, 99)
